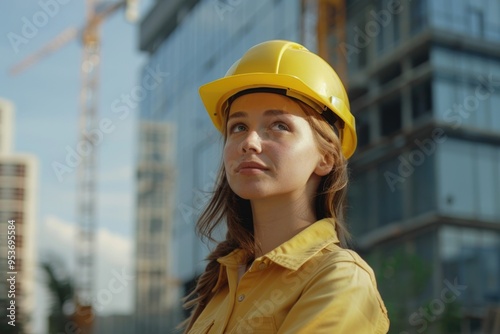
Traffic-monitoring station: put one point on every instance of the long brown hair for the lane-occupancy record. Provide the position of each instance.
(226, 206)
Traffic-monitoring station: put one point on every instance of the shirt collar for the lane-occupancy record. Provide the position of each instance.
(293, 253)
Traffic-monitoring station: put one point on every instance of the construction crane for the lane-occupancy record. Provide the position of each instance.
(96, 13)
(332, 33)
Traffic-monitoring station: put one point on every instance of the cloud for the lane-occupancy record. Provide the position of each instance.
(60, 229)
(115, 249)
(113, 258)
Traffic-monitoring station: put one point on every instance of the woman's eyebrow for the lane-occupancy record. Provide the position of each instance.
(238, 114)
(267, 113)
(275, 112)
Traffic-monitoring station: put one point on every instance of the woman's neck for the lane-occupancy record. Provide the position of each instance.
(277, 220)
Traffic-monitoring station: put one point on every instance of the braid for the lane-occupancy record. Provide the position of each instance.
(202, 294)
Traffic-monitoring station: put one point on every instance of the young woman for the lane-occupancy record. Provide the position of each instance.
(284, 266)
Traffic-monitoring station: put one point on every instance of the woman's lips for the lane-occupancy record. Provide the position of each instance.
(250, 167)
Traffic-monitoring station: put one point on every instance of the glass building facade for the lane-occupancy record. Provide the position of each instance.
(424, 203)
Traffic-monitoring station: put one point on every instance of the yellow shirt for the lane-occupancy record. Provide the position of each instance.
(307, 285)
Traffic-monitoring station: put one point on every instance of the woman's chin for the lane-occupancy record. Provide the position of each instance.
(252, 194)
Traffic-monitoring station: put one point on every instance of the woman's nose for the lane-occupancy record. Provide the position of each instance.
(252, 142)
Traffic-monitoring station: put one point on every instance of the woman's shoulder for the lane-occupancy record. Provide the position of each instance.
(333, 256)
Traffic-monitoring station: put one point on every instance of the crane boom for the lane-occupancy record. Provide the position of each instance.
(65, 37)
(59, 41)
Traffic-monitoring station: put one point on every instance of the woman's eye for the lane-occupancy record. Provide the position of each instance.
(280, 126)
(237, 128)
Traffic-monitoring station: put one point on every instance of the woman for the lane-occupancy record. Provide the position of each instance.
(283, 267)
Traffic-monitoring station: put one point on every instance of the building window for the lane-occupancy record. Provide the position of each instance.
(423, 192)
(476, 19)
(19, 241)
(421, 100)
(150, 250)
(420, 58)
(389, 25)
(12, 194)
(355, 49)
(12, 170)
(155, 225)
(15, 215)
(472, 257)
(390, 116)
(418, 15)
(363, 129)
(18, 194)
(389, 74)
(476, 167)
(390, 193)
(456, 162)
(155, 297)
(362, 208)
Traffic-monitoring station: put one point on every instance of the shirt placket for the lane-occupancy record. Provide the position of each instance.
(238, 292)
(232, 279)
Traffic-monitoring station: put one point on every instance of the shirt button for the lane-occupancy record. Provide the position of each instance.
(262, 266)
(241, 297)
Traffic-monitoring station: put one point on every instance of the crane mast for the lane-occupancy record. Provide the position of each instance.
(86, 181)
(332, 16)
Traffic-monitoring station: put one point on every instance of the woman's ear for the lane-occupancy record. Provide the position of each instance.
(325, 164)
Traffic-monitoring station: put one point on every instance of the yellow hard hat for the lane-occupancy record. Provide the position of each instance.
(295, 70)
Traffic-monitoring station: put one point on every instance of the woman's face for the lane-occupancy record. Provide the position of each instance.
(270, 150)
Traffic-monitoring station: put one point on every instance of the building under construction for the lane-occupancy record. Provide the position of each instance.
(424, 84)
(423, 79)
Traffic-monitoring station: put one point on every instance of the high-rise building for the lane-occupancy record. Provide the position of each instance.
(18, 188)
(424, 84)
(154, 297)
(423, 79)
(194, 42)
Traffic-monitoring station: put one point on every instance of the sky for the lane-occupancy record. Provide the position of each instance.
(45, 97)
